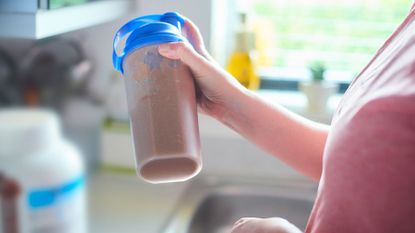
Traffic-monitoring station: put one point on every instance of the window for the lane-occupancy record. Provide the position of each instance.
(343, 34)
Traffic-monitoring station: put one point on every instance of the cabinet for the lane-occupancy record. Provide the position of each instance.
(31, 22)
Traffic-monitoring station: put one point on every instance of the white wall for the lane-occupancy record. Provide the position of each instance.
(199, 11)
(208, 15)
(98, 40)
(213, 17)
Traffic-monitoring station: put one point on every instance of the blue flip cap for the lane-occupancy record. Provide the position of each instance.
(147, 30)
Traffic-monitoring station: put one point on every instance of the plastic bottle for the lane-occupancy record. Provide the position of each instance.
(241, 64)
(161, 100)
(41, 175)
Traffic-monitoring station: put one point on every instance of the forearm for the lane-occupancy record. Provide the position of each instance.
(293, 139)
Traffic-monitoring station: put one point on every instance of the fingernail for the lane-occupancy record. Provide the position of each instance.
(168, 50)
(164, 48)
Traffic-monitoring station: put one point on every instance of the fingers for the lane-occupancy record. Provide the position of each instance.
(275, 225)
(192, 33)
(242, 226)
(184, 52)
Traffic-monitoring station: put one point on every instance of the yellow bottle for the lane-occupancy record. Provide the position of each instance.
(241, 64)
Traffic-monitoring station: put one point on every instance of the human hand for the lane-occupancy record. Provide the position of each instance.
(264, 225)
(216, 89)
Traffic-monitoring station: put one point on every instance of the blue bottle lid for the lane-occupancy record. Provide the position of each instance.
(144, 31)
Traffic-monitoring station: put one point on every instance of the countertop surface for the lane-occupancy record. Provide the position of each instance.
(124, 203)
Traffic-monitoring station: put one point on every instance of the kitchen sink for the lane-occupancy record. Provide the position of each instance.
(212, 205)
(218, 212)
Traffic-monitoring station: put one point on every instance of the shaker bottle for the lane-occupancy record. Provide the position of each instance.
(161, 99)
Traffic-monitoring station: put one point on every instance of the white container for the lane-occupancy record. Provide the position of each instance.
(48, 170)
(318, 94)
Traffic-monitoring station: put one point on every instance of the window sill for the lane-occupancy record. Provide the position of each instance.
(297, 102)
(287, 79)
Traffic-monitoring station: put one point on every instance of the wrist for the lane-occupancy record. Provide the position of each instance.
(234, 108)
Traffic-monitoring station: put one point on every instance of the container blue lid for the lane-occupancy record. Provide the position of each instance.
(144, 31)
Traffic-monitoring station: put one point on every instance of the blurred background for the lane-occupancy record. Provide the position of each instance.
(61, 100)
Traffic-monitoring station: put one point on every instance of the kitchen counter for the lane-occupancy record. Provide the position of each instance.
(123, 203)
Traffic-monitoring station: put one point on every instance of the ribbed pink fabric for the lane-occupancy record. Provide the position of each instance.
(368, 180)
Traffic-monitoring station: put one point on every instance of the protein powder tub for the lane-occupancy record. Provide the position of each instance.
(42, 184)
(161, 100)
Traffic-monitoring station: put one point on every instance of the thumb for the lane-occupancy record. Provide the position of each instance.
(184, 52)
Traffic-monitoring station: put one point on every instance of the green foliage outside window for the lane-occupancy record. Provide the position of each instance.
(344, 34)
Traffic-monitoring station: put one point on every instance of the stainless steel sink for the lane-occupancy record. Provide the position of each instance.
(212, 205)
(218, 212)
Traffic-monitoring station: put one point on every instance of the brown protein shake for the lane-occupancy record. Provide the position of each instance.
(162, 107)
(161, 99)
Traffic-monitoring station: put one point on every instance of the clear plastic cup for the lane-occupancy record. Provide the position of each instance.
(163, 116)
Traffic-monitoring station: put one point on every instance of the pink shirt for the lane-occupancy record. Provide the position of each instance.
(368, 179)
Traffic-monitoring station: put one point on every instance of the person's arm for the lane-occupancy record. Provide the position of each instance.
(293, 139)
